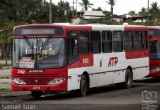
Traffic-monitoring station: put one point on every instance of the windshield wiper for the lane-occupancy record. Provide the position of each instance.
(45, 43)
(28, 42)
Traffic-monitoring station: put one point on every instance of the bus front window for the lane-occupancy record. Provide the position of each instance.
(154, 49)
(38, 53)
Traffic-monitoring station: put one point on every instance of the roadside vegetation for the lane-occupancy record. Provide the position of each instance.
(18, 12)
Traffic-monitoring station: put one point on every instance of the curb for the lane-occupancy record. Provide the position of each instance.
(5, 77)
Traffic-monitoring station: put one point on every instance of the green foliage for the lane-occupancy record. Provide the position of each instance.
(29, 11)
(86, 4)
(143, 12)
(8, 27)
(98, 9)
(111, 3)
(154, 8)
(18, 12)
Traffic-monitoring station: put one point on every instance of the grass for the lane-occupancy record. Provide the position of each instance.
(9, 92)
(4, 91)
(3, 64)
(5, 88)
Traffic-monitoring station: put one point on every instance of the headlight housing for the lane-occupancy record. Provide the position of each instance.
(157, 69)
(18, 81)
(57, 81)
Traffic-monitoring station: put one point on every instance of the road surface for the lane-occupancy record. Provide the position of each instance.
(144, 93)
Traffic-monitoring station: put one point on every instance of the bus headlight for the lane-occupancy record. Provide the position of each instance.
(157, 69)
(18, 81)
(57, 81)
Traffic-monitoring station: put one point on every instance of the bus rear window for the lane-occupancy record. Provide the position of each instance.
(39, 30)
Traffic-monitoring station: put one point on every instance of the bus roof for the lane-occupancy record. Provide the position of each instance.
(93, 26)
(153, 27)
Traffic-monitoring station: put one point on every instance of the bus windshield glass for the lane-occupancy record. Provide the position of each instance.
(38, 53)
(155, 49)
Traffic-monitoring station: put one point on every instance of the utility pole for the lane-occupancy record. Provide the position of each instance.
(73, 9)
(50, 12)
(148, 14)
(76, 6)
(6, 45)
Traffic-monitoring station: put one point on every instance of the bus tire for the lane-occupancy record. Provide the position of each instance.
(128, 80)
(83, 85)
(36, 94)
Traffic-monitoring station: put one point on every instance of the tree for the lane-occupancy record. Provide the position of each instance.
(86, 4)
(155, 12)
(4, 12)
(64, 12)
(98, 9)
(131, 12)
(111, 3)
(154, 8)
(143, 12)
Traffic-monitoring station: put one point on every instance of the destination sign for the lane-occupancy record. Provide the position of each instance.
(38, 31)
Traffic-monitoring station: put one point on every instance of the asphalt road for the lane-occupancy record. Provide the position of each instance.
(144, 93)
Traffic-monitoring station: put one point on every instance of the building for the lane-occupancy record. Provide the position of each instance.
(135, 18)
(86, 16)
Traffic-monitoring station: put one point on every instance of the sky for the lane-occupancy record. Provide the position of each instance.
(121, 7)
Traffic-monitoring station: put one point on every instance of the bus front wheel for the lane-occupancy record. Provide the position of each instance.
(36, 94)
(83, 85)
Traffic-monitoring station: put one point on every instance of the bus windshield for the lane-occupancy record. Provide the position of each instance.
(38, 53)
(155, 49)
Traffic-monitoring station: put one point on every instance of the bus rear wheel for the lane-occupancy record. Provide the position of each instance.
(83, 85)
(128, 80)
(36, 94)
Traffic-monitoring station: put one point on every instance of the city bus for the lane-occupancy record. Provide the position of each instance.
(154, 41)
(62, 58)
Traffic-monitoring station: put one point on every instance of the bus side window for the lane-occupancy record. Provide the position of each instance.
(72, 42)
(117, 41)
(144, 40)
(128, 40)
(137, 40)
(84, 42)
(95, 42)
(106, 41)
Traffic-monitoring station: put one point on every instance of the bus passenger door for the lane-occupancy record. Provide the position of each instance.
(72, 47)
(73, 60)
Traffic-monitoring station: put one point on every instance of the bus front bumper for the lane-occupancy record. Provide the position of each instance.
(154, 74)
(55, 88)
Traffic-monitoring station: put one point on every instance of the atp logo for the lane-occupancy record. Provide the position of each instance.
(112, 61)
(100, 63)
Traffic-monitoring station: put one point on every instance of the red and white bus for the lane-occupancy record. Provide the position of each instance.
(60, 58)
(154, 42)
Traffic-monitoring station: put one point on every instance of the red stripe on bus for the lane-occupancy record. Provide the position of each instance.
(137, 54)
(154, 38)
